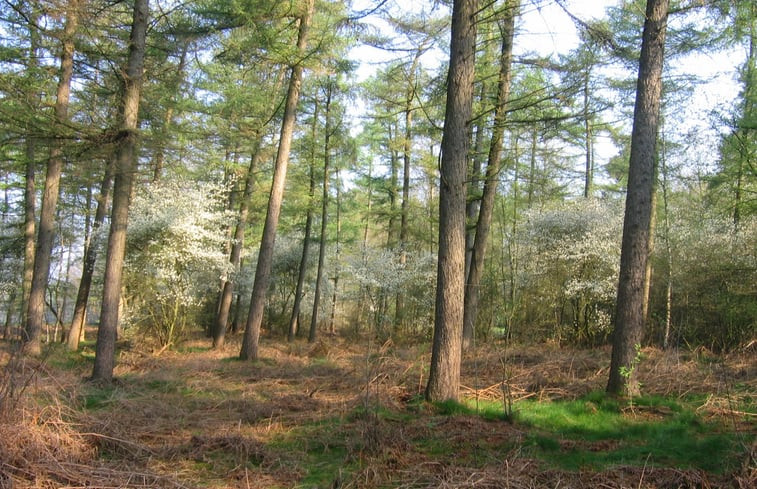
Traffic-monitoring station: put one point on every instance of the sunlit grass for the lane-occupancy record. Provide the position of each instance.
(598, 432)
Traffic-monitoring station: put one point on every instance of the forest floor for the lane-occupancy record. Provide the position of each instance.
(347, 413)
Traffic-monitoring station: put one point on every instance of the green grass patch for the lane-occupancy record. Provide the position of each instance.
(596, 432)
(60, 357)
(96, 397)
(490, 410)
(321, 448)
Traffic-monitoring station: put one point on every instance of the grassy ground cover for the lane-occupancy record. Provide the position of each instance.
(349, 413)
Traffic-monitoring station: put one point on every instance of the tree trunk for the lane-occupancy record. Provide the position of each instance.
(294, 319)
(46, 237)
(589, 140)
(629, 317)
(165, 130)
(90, 258)
(30, 190)
(444, 373)
(507, 30)
(332, 326)
(324, 218)
(668, 249)
(125, 161)
(407, 147)
(235, 257)
(249, 349)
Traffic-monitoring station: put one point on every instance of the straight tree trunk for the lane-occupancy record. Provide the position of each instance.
(407, 147)
(251, 338)
(332, 325)
(391, 240)
(90, 258)
(589, 140)
(125, 161)
(30, 189)
(294, 320)
(165, 129)
(444, 373)
(324, 219)
(474, 185)
(629, 315)
(507, 30)
(235, 257)
(46, 237)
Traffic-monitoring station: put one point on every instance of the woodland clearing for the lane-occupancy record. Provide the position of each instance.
(348, 413)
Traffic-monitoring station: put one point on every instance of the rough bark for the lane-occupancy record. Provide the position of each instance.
(30, 190)
(251, 338)
(486, 210)
(46, 234)
(629, 316)
(125, 161)
(444, 373)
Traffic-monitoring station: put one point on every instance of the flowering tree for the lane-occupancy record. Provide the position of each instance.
(175, 255)
(714, 298)
(569, 256)
(379, 275)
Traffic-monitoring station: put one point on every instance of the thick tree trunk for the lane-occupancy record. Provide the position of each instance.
(629, 316)
(30, 190)
(90, 258)
(507, 30)
(125, 161)
(249, 349)
(235, 257)
(46, 237)
(444, 373)
(324, 219)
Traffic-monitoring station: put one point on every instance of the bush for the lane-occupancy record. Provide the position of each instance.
(175, 256)
(568, 260)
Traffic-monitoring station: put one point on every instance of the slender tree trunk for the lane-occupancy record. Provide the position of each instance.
(165, 129)
(474, 185)
(668, 249)
(745, 133)
(332, 326)
(391, 239)
(324, 219)
(444, 373)
(407, 148)
(235, 258)
(507, 30)
(532, 168)
(46, 237)
(125, 161)
(589, 140)
(90, 258)
(249, 349)
(294, 319)
(629, 317)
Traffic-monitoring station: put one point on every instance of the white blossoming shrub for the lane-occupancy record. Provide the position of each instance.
(378, 276)
(175, 256)
(714, 281)
(568, 260)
